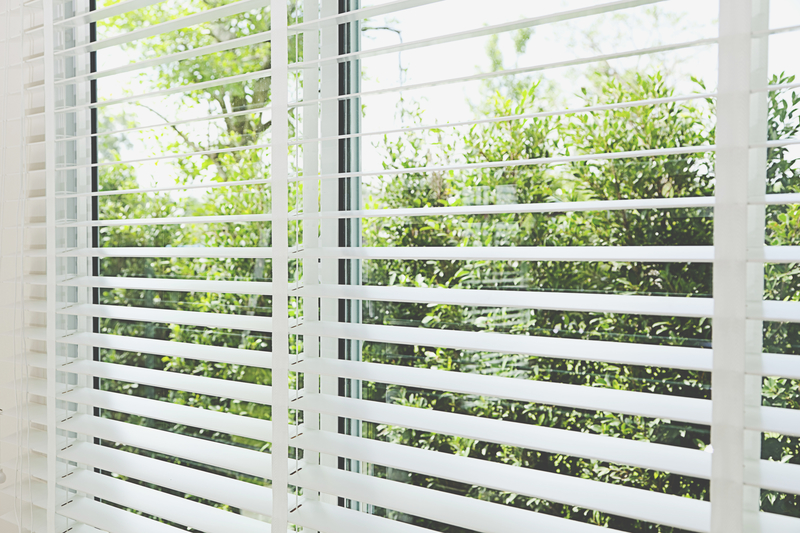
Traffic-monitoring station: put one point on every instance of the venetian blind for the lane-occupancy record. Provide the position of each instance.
(401, 266)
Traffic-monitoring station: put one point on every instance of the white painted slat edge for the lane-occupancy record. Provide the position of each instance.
(770, 198)
(526, 299)
(155, 221)
(503, 209)
(32, 279)
(39, 519)
(218, 82)
(490, 30)
(217, 454)
(774, 364)
(634, 52)
(508, 118)
(190, 318)
(33, 464)
(167, 284)
(35, 386)
(220, 354)
(35, 305)
(36, 333)
(774, 311)
(34, 439)
(188, 252)
(83, 528)
(538, 161)
(665, 458)
(111, 519)
(655, 254)
(161, 60)
(561, 348)
(165, 124)
(619, 500)
(33, 412)
(237, 390)
(359, 14)
(525, 390)
(462, 511)
(105, 12)
(161, 504)
(775, 523)
(184, 479)
(183, 22)
(774, 254)
(32, 359)
(180, 414)
(334, 519)
(30, 491)
(772, 475)
(773, 420)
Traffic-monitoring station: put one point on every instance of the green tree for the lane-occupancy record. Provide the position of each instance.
(224, 152)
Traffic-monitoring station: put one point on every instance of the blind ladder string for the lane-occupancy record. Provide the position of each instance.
(297, 247)
(18, 510)
(4, 175)
(19, 284)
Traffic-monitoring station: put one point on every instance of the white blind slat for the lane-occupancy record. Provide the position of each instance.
(170, 58)
(775, 254)
(188, 252)
(436, 505)
(523, 70)
(774, 364)
(30, 491)
(209, 15)
(505, 209)
(654, 254)
(525, 299)
(111, 519)
(773, 475)
(644, 454)
(540, 161)
(220, 354)
(520, 389)
(243, 426)
(28, 412)
(218, 219)
(773, 420)
(562, 348)
(494, 29)
(189, 318)
(171, 284)
(230, 457)
(774, 311)
(775, 523)
(614, 499)
(333, 519)
(105, 12)
(185, 479)
(247, 392)
(316, 141)
(158, 503)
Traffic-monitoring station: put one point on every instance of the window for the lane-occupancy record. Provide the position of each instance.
(402, 266)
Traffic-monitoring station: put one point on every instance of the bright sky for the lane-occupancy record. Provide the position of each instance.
(669, 22)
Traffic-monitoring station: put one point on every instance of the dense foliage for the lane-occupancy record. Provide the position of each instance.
(688, 123)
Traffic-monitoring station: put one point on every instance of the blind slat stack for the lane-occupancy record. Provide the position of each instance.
(399, 266)
(445, 423)
(148, 441)
(24, 431)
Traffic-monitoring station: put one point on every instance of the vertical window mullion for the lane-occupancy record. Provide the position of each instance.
(738, 228)
(349, 189)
